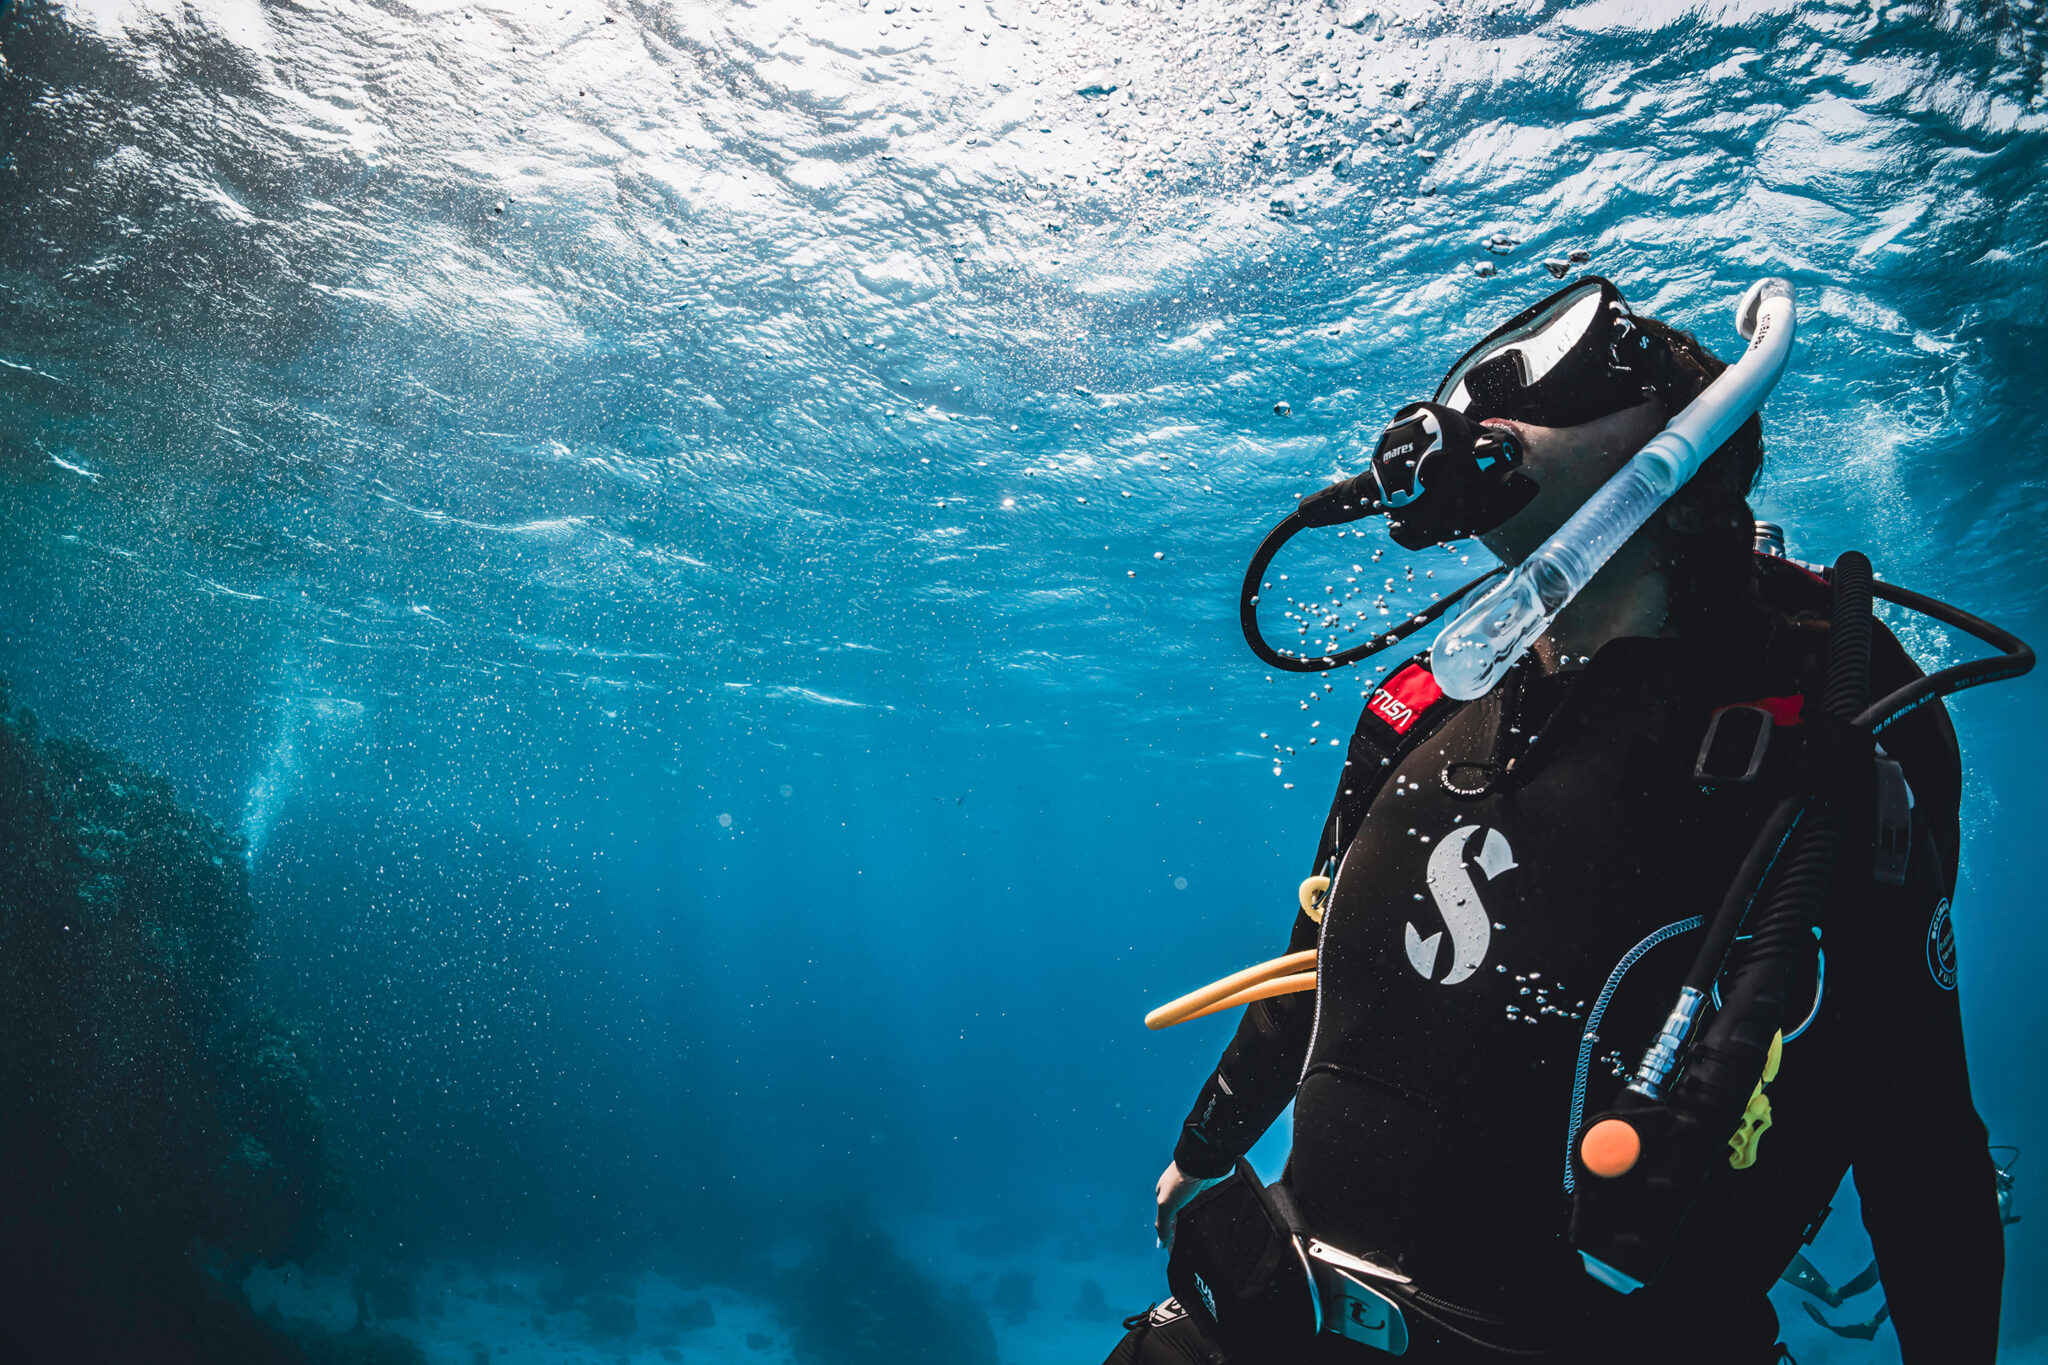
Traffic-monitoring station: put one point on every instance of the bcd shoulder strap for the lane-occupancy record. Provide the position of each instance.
(1399, 715)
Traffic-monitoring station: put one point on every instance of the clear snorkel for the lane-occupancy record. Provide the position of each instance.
(1477, 649)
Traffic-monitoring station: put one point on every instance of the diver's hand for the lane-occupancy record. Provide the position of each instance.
(1175, 1189)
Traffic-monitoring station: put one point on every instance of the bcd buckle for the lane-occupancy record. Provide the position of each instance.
(1736, 740)
(1347, 1305)
(1892, 843)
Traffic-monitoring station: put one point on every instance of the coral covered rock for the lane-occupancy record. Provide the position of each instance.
(158, 1134)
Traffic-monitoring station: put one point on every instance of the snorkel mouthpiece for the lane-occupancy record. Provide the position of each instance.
(1476, 650)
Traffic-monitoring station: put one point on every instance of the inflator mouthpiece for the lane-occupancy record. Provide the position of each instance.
(1475, 651)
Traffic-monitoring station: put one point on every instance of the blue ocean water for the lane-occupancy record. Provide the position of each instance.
(696, 544)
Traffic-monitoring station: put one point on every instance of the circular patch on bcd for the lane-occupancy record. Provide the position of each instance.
(1941, 948)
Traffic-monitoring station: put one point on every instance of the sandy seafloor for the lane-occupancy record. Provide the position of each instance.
(467, 1317)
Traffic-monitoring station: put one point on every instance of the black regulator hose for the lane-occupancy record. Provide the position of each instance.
(1851, 625)
(1312, 513)
(2014, 658)
(1721, 1068)
(1645, 1159)
(1754, 989)
(1437, 476)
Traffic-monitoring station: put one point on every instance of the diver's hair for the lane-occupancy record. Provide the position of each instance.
(1706, 530)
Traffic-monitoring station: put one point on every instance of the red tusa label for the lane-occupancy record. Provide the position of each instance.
(1405, 696)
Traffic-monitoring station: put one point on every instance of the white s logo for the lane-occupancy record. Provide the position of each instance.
(1457, 899)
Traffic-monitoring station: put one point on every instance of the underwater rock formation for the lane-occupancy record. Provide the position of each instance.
(158, 1133)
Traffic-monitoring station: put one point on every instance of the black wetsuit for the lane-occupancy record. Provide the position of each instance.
(1488, 963)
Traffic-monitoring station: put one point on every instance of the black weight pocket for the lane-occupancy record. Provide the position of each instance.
(1237, 1267)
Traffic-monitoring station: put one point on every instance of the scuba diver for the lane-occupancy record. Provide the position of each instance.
(1628, 932)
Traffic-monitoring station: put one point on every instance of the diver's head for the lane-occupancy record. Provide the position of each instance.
(1530, 424)
(1584, 382)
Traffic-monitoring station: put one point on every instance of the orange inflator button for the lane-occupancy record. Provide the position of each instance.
(1610, 1148)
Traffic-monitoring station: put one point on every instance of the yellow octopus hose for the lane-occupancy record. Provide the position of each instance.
(1281, 976)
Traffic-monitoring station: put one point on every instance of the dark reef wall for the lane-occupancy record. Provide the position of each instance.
(158, 1133)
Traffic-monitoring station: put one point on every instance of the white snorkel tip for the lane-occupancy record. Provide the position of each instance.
(1751, 308)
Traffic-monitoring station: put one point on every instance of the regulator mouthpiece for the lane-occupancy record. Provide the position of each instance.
(1475, 651)
(1443, 476)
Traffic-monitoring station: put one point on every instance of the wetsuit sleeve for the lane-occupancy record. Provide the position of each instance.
(1922, 1169)
(1263, 1064)
(1254, 1081)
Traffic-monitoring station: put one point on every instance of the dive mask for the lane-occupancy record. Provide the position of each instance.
(1574, 358)
(1440, 475)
